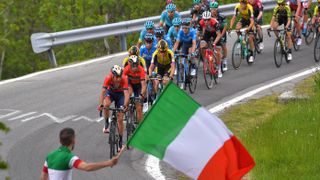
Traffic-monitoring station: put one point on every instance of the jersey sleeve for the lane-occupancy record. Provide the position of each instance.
(107, 81)
(194, 35)
(250, 11)
(126, 71)
(142, 74)
(143, 62)
(235, 13)
(142, 34)
(162, 17)
(315, 13)
(45, 167)
(74, 162)
(201, 23)
(275, 11)
(124, 82)
(288, 11)
(154, 56)
(179, 35)
(125, 62)
(172, 56)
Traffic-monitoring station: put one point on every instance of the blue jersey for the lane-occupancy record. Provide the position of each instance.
(187, 38)
(147, 53)
(172, 33)
(165, 18)
(168, 40)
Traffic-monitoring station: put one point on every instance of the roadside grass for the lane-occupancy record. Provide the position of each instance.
(282, 138)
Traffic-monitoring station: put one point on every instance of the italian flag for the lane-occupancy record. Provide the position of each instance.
(180, 132)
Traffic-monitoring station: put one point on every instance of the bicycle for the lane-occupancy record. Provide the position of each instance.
(257, 37)
(294, 34)
(316, 49)
(152, 95)
(184, 76)
(280, 47)
(311, 31)
(114, 137)
(240, 50)
(210, 67)
(131, 116)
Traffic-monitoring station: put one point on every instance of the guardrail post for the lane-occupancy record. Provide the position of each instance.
(123, 40)
(52, 58)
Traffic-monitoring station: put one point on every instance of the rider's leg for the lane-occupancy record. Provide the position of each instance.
(137, 92)
(106, 103)
(118, 103)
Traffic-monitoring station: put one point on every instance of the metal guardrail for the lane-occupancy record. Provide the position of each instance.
(42, 42)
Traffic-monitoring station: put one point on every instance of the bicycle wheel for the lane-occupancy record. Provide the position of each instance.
(257, 39)
(310, 33)
(237, 55)
(130, 122)
(208, 76)
(294, 39)
(277, 52)
(316, 51)
(193, 79)
(112, 139)
(182, 76)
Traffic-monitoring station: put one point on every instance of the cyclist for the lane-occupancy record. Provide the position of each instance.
(296, 6)
(258, 14)
(137, 84)
(187, 36)
(115, 88)
(59, 163)
(148, 49)
(167, 16)
(159, 32)
(148, 28)
(196, 12)
(223, 28)
(282, 15)
(163, 59)
(134, 50)
(246, 12)
(173, 31)
(316, 16)
(210, 29)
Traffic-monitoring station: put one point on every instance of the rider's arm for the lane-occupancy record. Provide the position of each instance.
(125, 62)
(126, 91)
(173, 64)
(95, 166)
(289, 16)
(162, 19)
(154, 56)
(104, 89)
(298, 9)
(232, 21)
(44, 173)
(176, 44)
(217, 38)
(250, 11)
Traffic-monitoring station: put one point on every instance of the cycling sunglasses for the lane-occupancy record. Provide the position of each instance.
(281, 4)
(185, 27)
(149, 41)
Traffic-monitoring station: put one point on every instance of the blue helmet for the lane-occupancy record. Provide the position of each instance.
(149, 25)
(159, 31)
(176, 21)
(171, 7)
(148, 37)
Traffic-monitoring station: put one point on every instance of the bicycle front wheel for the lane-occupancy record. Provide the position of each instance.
(310, 33)
(295, 39)
(237, 55)
(257, 40)
(193, 79)
(208, 76)
(112, 139)
(316, 51)
(278, 53)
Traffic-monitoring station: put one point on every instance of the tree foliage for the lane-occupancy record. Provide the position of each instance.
(20, 19)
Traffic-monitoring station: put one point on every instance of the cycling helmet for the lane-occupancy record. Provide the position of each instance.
(116, 70)
(206, 15)
(134, 61)
(280, 1)
(148, 37)
(176, 21)
(159, 32)
(214, 4)
(196, 1)
(134, 50)
(162, 45)
(243, 1)
(185, 22)
(171, 7)
(149, 25)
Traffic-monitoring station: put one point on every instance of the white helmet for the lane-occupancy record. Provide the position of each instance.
(206, 15)
(116, 70)
(133, 60)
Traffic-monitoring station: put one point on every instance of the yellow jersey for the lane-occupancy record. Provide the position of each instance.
(163, 59)
(246, 13)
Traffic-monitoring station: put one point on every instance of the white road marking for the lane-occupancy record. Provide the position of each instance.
(54, 118)
(21, 116)
(87, 119)
(11, 112)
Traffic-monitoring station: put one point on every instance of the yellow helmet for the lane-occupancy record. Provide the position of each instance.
(134, 50)
(162, 45)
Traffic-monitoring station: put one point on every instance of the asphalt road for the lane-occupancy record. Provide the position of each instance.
(37, 108)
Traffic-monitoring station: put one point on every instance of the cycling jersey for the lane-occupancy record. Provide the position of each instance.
(257, 8)
(315, 12)
(141, 60)
(282, 14)
(163, 59)
(59, 164)
(168, 40)
(110, 85)
(187, 38)
(166, 19)
(245, 14)
(172, 33)
(147, 53)
(135, 77)
(212, 27)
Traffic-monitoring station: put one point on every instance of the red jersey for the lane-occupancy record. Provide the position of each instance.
(212, 27)
(135, 77)
(115, 87)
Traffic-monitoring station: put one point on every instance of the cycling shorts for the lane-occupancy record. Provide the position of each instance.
(117, 97)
